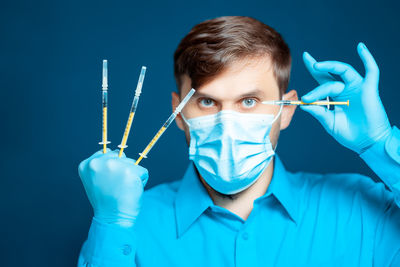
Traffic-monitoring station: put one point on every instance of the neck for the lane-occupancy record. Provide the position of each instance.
(241, 203)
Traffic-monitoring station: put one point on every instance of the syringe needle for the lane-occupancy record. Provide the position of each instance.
(104, 92)
(165, 126)
(135, 102)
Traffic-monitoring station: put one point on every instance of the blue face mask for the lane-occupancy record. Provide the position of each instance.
(230, 149)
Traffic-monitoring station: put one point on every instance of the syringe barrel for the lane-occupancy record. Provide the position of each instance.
(105, 99)
(169, 120)
(135, 103)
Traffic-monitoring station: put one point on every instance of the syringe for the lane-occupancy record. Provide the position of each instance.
(301, 103)
(104, 92)
(165, 126)
(135, 102)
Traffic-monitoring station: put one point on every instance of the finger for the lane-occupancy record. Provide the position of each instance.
(331, 89)
(139, 170)
(84, 163)
(319, 76)
(99, 161)
(110, 154)
(322, 114)
(371, 68)
(345, 71)
(145, 178)
(117, 151)
(101, 158)
(113, 159)
(144, 174)
(132, 162)
(128, 160)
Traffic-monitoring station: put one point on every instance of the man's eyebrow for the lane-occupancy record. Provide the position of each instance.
(254, 93)
(202, 95)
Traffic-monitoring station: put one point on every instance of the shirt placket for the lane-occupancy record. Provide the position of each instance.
(245, 245)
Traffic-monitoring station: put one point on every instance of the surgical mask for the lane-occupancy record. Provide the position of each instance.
(231, 149)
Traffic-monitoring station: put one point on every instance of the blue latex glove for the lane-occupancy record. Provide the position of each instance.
(114, 186)
(364, 122)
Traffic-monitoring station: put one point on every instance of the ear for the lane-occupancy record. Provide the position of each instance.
(288, 110)
(175, 102)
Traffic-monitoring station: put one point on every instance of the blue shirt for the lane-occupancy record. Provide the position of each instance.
(303, 219)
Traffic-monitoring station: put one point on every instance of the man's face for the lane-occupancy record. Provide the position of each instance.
(241, 87)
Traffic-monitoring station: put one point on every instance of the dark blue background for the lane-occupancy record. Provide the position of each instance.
(50, 69)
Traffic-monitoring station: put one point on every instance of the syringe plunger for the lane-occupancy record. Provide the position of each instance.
(105, 75)
(139, 86)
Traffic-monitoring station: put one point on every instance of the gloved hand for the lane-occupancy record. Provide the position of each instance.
(114, 186)
(364, 122)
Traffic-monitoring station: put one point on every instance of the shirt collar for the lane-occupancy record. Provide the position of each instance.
(283, 188)
(193, 199)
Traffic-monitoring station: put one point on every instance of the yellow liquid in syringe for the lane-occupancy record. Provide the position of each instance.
(126, 133)
(151, 144)
(104, 130)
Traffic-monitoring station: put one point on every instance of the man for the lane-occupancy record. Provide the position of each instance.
(236, 204)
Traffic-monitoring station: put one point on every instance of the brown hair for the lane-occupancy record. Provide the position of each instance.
(214, 44)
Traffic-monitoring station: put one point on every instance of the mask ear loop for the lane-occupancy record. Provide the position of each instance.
(279, 113)
(185, 120)
(276, 117)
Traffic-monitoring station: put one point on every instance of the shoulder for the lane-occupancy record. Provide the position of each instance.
(336, 181)
(344, 189)
(344, 182)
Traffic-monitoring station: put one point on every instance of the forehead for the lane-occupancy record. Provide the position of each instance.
(242, 77)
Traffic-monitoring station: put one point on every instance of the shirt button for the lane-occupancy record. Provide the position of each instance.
(127, 249)
(245, 236)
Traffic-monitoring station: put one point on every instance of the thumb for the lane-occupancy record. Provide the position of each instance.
(144, 174)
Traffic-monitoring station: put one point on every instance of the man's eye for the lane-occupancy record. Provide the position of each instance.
(207, 102)
(249, 102)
